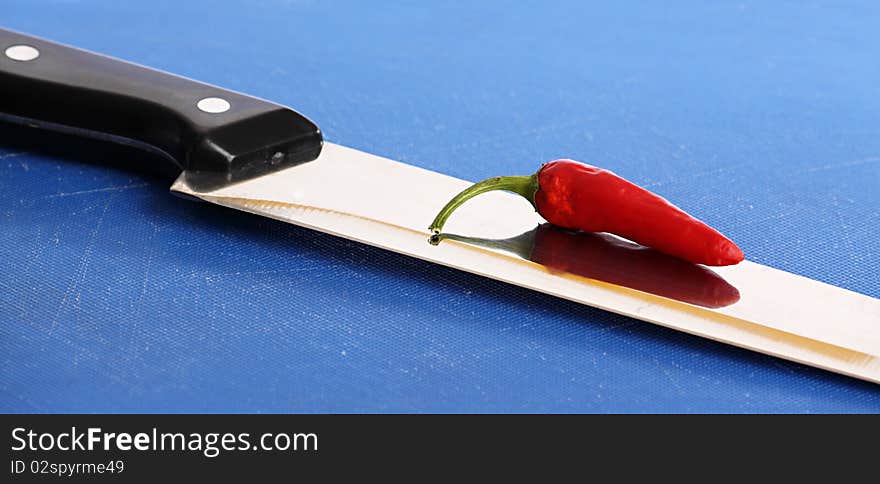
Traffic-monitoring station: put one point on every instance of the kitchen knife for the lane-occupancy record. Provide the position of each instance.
(253, 155)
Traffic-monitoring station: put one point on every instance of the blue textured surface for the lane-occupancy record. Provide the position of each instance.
(760, 117)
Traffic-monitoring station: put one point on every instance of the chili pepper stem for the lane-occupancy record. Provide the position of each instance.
(523, 185)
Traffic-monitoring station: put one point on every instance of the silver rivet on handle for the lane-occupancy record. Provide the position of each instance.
(22, 52)
(213, 105)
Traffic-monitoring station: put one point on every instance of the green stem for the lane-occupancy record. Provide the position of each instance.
(523, 185)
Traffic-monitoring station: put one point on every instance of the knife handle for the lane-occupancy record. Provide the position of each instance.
(203, 129)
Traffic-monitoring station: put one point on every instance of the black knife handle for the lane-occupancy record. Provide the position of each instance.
(224, 135)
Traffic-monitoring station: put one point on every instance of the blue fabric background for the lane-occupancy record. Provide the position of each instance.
(759, 117)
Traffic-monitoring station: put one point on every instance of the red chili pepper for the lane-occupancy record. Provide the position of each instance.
(582, 197)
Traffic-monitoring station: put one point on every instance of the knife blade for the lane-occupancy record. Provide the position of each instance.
(253, 155)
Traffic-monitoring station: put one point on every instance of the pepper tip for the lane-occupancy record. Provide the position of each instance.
(730, 254)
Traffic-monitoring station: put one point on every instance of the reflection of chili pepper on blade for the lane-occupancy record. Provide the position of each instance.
(610, 259)
(582, 197)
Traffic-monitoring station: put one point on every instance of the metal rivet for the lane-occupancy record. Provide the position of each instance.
(214, 105)
(22, 53)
